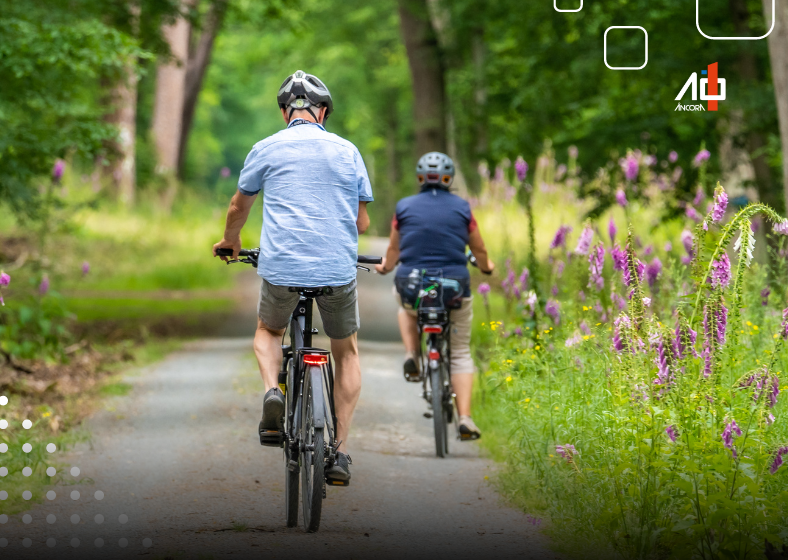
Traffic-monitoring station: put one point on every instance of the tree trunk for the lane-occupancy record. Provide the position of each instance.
(121, 168)
(747, 68)
(199, 58)
(427, 74)
(778, 52)
(169, 99)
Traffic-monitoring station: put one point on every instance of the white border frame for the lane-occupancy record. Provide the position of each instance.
(555, 7)
(605, 47)
(697, 24)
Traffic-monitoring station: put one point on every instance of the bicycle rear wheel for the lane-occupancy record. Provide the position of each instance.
(313, 455)
(291, 470)
(439, 416)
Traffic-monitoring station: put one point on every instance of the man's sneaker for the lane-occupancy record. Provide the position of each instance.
(411, 370)
(339, 473)
(468, 429)
(273, 411)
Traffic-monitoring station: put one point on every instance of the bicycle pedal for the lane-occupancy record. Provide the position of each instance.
(337, 482)
(272, 438)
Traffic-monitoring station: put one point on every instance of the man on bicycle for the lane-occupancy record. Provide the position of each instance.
(316, 190)
(431, 230)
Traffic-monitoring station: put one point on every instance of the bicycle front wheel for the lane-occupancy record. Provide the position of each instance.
(313, 454)
(439, 413)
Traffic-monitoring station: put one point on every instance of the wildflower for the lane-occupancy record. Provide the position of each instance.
(671, 431)
(618, 300)
(576, 339)
(530, 300)
(630, 166)
(85, 268)
(584, 242)
(640, 267)
(582, 295)
(720, 204)
(524, 279)
(225, 172)
(572, 152)
(646, 302)
(688, 241)
(518, 331)
(57, 170)
(745, 243)
(765, 296)
(5, 279)
(484, 289)
(567, 451)
(552, 308)
(559, 268)
(701, 157)
(781, 228)
(621, 198)
(520, 168)
(619, 257)
(662, 360)
(668, 247)
(585, 328)
(653, 270)
(554, 290)
(43, 288)
(612, 230)
(621, 322)
(535, 521)
(784, 326)
(560, 171)
(648, 250)
(727, 436)
(596, 262)
(673, 156)
(692, 214)
(721, 272)
(699, 196)
(778, 459)
(685, 339)
(560, 237)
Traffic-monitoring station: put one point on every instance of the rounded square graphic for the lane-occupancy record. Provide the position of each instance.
(697, 24)
(625, 67)
(555, 7)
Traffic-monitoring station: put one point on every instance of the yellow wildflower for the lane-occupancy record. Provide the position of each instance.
(509, 379)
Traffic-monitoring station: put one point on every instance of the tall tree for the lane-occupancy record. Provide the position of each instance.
(427, 71)
(778, 51)
(120, 170)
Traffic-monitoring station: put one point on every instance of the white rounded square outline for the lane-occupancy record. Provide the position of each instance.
(555, 7)
(697, 24)
(604, 42)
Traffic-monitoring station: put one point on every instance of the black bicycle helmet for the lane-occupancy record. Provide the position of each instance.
(303, 91)
(435, 169)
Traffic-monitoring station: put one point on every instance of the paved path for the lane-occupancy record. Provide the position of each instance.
(178, 460)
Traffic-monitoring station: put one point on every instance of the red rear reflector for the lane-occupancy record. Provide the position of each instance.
(433, 329)
(316, 359)
(434, 355)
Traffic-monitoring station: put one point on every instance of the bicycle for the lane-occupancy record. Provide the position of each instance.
(307, 381)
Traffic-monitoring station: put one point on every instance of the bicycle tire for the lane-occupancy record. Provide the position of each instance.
(291, 476)
(313, 454)
(438, 412)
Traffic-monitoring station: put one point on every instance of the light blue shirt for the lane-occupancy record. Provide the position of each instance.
(312, 182)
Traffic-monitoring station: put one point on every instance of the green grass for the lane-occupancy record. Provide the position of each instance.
(98, 308)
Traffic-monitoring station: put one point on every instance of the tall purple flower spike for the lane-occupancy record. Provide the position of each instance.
(567, 451)
(631, 167)
(621, 198)
(731, 430)
(560, 237)
(584, 242)
(679, 349)
(672, 433)
(701, 156)
(653, 271)
(612, 230)
(553, 309)
(596, 263)
(778, 459)
(619, 257)
(721, 272)
(521, 168)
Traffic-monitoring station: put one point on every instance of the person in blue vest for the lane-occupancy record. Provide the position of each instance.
(431, 230)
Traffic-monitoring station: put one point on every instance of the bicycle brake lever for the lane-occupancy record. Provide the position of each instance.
(362, 267)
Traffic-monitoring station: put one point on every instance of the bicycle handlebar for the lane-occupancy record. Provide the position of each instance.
(473, 262)
(227, 252)
(369, 259)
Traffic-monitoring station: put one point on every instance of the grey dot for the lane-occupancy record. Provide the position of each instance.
(123, 543)
(75, 519)
(51, 495)
(3, 519)
(75, 542)
(74, 471)
(147, 543)
(27, 471)
(51, 447)
(3, 471)
(27, 519)
(74, 495)
(51, 471)
(3, 543)
(99, 495)
(27, 494)
(3, 495)
(51, 543)
(3, 424)
(123, 519)
(51, 518)
(26, 543)
(99, 519)
(27, 424)
(3, 447)
(99, 543)
(27, 448)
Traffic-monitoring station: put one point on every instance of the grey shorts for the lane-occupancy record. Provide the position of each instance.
(339, 310)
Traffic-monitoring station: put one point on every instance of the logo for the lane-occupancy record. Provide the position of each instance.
(714, 84)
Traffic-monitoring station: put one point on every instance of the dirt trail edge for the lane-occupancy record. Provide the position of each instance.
(181, 474)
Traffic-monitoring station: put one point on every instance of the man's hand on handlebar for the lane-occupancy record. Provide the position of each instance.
(490, 268)
(235, 245)
(381, 268)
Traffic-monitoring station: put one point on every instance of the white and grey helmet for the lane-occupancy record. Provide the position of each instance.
(435, 168)
(303, 91)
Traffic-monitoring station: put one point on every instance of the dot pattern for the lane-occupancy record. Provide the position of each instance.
(27, 494)
(27, 424)
(99, 495)
(51, 495)
(75, 519)
(51, 518)
(3, 424)
(51, 447)
(74, 495)
(51, 471)
(27, 519)
(3, 471)
(27, 448)
(27, 471)
(3, 447)
(3, 400)
(74, 471)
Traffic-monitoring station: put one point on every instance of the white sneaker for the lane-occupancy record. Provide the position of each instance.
(468, 430)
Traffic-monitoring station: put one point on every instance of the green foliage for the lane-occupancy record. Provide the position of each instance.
(34, 328)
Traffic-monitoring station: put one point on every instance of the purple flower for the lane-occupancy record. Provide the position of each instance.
(668, 247)
(630, 166)
(671, 430)
(765, 296)
(784, 326)
(596, 262)
(619, 301)
(692, 214)
(85, 268)
(576, 339)
(688, 241)
(648, 250)
(57, 170)
(699, 196)
(621, 198)
(524, 280)
(567, 451)
(43, 287)
(554, 290)
(553, 309)
(728, 434)
(581, 295)
(701, 156)
(518, 331)
(673, 156)
(584, 242)
(5, 279)
(639, 267)
(721, 272)
(612, 230)
(530, 300)
(664, 377)
(225, 172)
(619, 323)
(586, 330)
(484, 289)
(560, 237)
(619, 257)
(720, 204)
(520, 168)
(682, 335)
(778, 459)
(781, 228)
(653, 271)
(559, 268)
